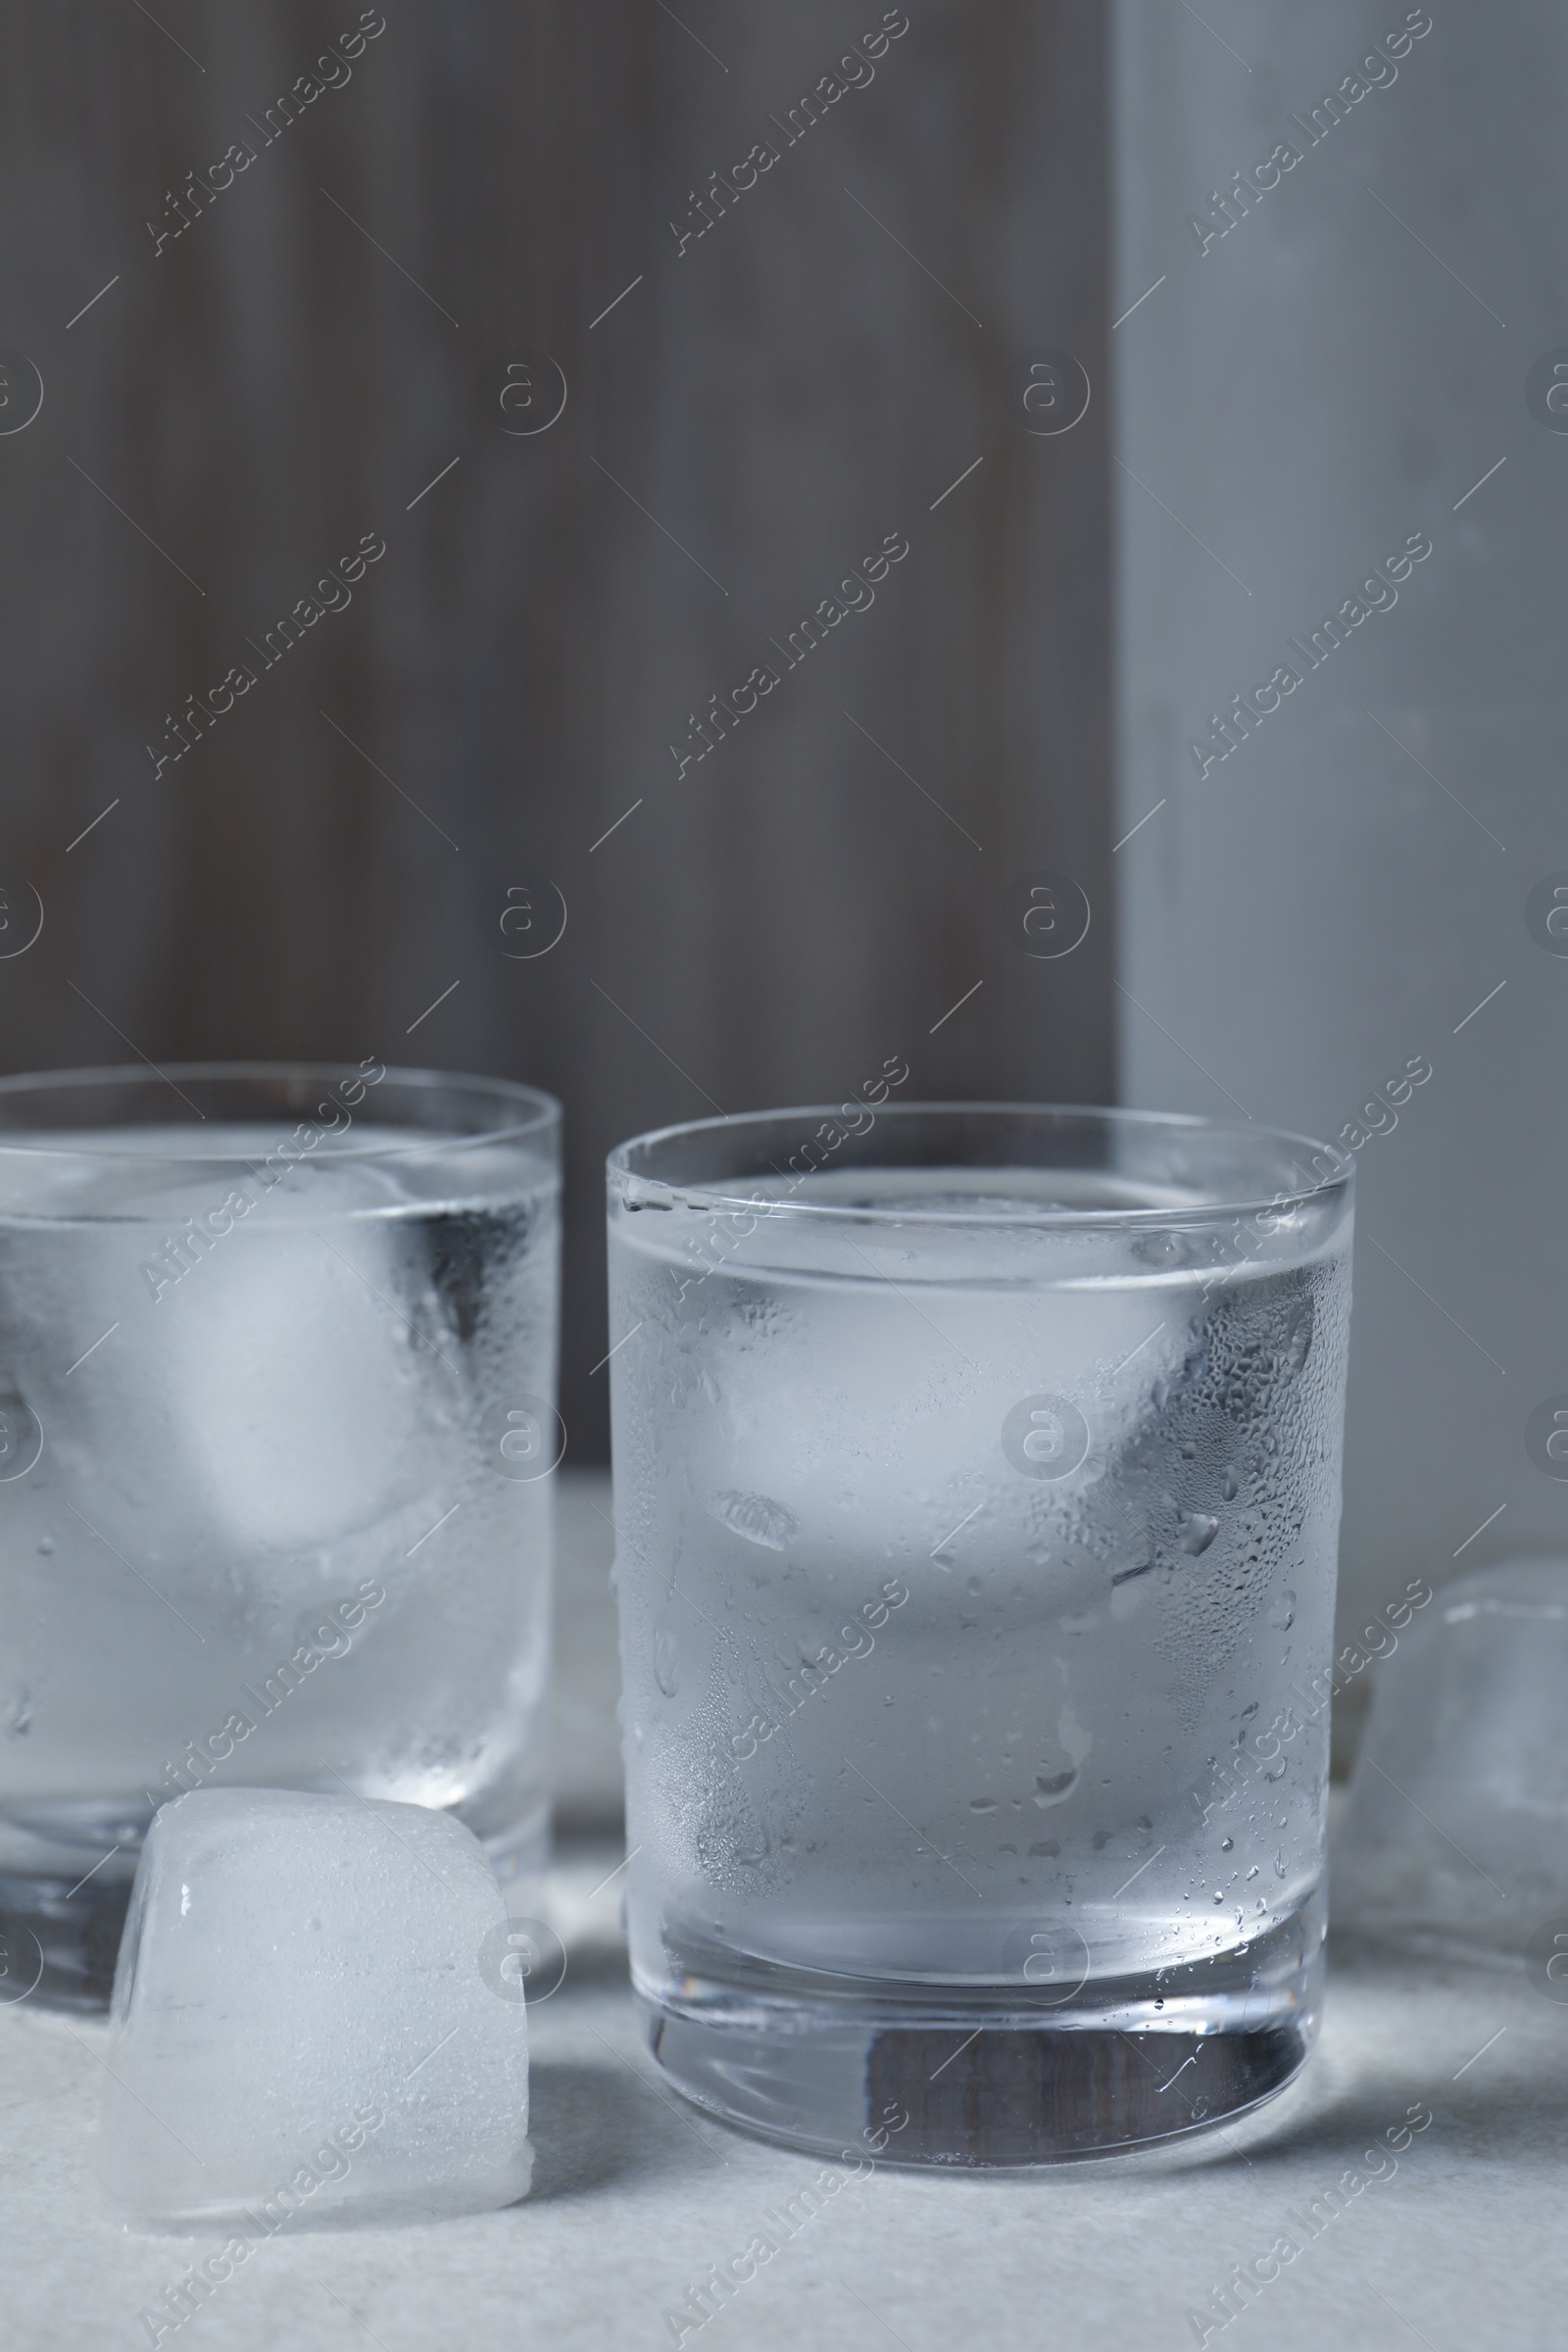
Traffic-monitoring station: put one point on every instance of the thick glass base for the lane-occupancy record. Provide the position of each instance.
(59, 1942)
(975, 2077)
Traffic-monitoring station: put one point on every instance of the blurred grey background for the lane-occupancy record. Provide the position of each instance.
(1341, 248)
(280, 295)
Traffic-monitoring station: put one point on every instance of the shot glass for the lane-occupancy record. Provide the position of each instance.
(278, 1354)
(977, 1493)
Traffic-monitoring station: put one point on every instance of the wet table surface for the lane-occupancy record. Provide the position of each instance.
(1454, 2240)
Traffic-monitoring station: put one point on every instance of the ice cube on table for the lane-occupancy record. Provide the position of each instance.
(313, 2020)
(1457, 1830)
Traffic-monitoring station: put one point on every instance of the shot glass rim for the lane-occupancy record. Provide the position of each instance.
(713, 1197)
(97, 1141)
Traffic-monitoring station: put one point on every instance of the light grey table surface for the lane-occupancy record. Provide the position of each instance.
(1459, 2243)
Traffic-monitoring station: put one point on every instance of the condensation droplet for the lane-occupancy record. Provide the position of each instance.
(757, 1518)
(1052, 1787)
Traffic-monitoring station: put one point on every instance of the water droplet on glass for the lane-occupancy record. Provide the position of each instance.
(1052, 1787)
(1196, 1531)
(757, 1518)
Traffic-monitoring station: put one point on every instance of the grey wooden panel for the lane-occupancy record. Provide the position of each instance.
(770, 399)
